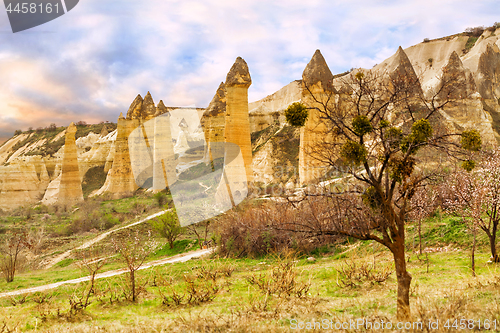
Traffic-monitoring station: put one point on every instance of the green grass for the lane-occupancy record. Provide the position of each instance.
(201, 170)
(439, 281)
(470, 43)
(448, 279)
(180, 246)
(93, 180)
(49, 147)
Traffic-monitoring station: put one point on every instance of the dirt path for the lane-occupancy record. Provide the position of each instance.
(91, 242)
(178, 258)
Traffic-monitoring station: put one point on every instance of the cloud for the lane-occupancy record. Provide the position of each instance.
(91, 63)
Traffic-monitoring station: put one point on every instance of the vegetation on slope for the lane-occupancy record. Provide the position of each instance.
(48, 134)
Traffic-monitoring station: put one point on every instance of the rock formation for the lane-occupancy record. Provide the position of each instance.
(465, 109)
(135, 109)
(148, 107)
(317, 81)
(401, 70)
(163, 150)
(143, 153)
(269, 111)
(237, 128)
(488, 80)
(238, 173)
(20, 184)
(70, 188)
(475, 71)
(120, 180)
(213, 123)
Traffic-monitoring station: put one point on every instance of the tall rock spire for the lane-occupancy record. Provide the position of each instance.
(454, 83)
(217, 106)
(160, 109)
(148, 107)
(104, 131)
(213, 123)
(238, 172)
(70, 188)
(238, 75)
(135, 109)
(488, 76)
(401, 71)
(237, 129)
(317, 89)
(317, 71)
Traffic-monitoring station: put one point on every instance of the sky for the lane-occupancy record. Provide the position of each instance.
(91, 63)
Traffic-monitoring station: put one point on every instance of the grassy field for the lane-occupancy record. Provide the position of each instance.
(347, 281)
(443, 288)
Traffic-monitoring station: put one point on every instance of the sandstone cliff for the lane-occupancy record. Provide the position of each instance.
(30, 160)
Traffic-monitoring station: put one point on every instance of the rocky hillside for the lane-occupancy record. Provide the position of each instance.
(30, 162)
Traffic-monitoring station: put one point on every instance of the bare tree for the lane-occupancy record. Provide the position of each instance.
(91, 260)
(477, 197)
(12, 249)
(387, 136)
(134, 249)
(200, 234)
(423, 203)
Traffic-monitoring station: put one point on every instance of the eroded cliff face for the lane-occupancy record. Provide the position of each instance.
(213, 123)
(475, 103)
(476, 106)
(21, 183)
(20, 159)
(271, 109)
(276, 155)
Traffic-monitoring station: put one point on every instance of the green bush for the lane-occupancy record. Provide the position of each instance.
(167, 225)
(296, 114)
(161, 198)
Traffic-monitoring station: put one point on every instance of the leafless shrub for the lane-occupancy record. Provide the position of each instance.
(474, 31)
(134, 248)
(199, 235)
(5, 328)
(355, 272)
(200, 287)
(41, 298)
(18, 300)
(195, 291)
(281, 281)
(91, 260)
(138, 208)
(13, 247)
(258, 230)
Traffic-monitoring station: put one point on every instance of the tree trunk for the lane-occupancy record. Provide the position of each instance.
(404, 281)
(493, 248)
(132, 284)
(420, 235)
(473, 260)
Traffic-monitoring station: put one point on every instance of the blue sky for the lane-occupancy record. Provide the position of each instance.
(91, 63)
